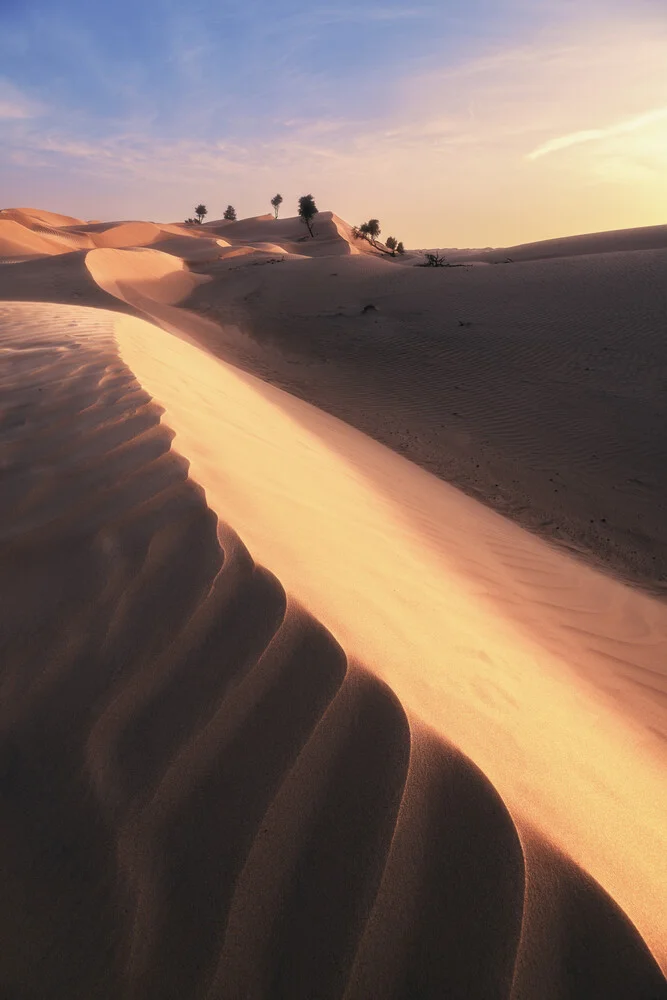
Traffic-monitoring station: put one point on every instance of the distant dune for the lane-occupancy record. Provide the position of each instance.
(284, 713)
(643, 238)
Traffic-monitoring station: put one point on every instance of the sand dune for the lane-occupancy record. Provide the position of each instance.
(536, 387)
(134, 275)
(427, 757)
(233, 806)
(19, 241)
(35, 217)
(334, 235)
(616, 241)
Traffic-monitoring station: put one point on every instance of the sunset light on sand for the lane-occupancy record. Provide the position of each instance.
(333, 571)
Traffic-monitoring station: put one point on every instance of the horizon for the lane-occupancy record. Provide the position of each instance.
(508, 123)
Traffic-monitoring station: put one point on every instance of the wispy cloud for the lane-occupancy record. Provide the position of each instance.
(591, 135)
(463, 148)
(14, 104)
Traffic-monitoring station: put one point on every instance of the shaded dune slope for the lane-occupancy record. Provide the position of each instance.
(612, 241)
(536, 386)
(201, 795)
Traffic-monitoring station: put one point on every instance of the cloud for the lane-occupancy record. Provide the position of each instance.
(14, 104)
(591, 135)
(461, 151)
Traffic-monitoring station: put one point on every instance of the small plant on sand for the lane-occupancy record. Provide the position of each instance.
(276, 201)
(307, 211)
(400, 249)
(230, 214)
(391, 244)
(434, 260)
(190, 222)
(200, 212)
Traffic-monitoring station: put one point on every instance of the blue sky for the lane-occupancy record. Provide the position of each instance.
(143, 108)
(187, 69)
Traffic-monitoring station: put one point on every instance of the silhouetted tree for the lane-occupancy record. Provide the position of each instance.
(277, 202)
(391, 244)
(400, 248)
(230, 214)
(200, 212)
(373, 229)
(307, 211)
(190, 222)
(368, 231)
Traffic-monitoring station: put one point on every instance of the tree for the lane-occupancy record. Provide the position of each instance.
(400, 248)
(230, 214)
(200, 212)
(307, 211)
(277, 202)
(368, 231)
(190, 222)
(391, 244)
(373, 229)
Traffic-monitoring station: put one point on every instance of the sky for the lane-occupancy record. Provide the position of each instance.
(468, 123)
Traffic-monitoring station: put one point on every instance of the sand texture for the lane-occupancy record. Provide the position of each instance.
(284, 713)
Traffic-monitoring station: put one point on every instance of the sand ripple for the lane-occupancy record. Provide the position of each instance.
(202, 795)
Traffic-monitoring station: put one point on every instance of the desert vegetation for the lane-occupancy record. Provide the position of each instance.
(371, 231)
(200, 212)
(307, 211)
(276, 202)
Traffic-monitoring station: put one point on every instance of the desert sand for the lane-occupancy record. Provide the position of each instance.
(334, 634)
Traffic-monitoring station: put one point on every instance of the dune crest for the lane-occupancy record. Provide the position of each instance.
(140, 274)
(235, 806)
(285, 714)
(33, 218)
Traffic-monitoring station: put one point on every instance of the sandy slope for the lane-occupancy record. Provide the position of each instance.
(537, 387)
(333, 235)
(236, 806)
(34, 218)
(643, 238)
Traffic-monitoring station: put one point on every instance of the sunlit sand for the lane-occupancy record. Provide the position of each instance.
(284, 712)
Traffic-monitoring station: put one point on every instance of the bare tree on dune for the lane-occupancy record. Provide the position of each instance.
(200, 212)
(230, 214)
(307, 211)
(277, 202)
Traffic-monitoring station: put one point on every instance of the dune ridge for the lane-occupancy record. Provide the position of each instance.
(235, 807)
(427, 756)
